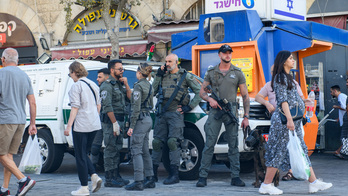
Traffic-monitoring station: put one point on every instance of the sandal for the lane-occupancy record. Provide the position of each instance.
(338, 155)
(288, 176)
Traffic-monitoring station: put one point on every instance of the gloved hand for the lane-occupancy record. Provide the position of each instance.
(186, 108)
(116, 128)
(161, 72)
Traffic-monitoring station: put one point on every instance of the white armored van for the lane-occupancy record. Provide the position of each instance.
(51, 85)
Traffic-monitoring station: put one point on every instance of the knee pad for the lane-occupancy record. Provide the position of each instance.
(172, 143)
(156, 144)
(95, 149)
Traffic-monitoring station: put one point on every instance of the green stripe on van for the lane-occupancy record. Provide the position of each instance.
(193, 117)
(66, 115)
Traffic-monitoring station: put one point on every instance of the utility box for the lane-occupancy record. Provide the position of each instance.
(169, 14)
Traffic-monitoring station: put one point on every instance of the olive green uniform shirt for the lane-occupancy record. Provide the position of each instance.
(140, 93)
(169, 83)
(225, 86)
(113, 95)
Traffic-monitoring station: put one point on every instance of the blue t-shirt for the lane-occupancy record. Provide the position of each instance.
(15, 86)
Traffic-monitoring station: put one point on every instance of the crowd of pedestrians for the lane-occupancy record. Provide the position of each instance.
(98, 113)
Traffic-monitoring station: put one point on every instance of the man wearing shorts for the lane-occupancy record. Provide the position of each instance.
(15, 88)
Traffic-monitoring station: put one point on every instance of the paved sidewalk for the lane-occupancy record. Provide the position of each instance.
(65, 180)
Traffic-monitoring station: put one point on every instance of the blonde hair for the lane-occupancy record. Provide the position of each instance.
(145, 70)
(79, 69)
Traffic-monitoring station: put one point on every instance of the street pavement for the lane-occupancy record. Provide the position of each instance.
(65, 180)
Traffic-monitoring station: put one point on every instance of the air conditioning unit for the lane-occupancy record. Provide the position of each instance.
(217, 30)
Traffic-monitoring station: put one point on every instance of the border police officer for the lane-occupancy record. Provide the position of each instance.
(140, 126)
(225, 80)
(170, 121)
(114, 92)
(103, 74)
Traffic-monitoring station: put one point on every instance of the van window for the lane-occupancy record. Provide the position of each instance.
(131, 77)
(93, 75)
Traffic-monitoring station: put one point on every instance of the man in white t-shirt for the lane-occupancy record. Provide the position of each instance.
(342, 98)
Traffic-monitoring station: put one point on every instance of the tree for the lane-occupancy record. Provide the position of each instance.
(106, 5)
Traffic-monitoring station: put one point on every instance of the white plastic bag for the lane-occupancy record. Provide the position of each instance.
(31, 162)
(298, 160)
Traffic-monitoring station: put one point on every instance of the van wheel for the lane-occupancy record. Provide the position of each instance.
(190, 157)
(51, 154)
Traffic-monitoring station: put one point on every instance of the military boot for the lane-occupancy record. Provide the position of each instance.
(135, 186)
(118, 178)
(149, 182)
(173, 176)
(109, 181)
(155, 168)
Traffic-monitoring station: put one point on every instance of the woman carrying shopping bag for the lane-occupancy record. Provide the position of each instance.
(277, 154)
(140, 126)
(84, 122)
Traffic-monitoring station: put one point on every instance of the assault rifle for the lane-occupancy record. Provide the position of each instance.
(226, 107)
(160, 99)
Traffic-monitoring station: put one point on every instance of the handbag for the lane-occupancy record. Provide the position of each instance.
(344, 149)
(298, 159)
(296, 114)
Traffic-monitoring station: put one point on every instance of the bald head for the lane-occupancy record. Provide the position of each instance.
(9, 57)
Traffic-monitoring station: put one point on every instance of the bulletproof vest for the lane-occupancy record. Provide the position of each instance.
(169, 83)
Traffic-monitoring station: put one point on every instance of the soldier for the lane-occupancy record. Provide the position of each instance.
(140, 126)
(114, 92)
(225, 79)
(103, 74)
(169, 124)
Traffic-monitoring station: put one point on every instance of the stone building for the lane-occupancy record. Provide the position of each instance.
(38, 27)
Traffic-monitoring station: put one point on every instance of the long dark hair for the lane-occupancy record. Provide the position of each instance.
(279, 72)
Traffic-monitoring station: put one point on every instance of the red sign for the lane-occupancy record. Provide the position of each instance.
(2, 38)
(103, 52)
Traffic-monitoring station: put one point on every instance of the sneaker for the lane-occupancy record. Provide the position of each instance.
(82, 191)
(269, 189)
(319, 186)
(4, 193)
(96, 182)
(24, 187)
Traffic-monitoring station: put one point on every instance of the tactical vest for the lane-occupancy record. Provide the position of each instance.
(169, 83)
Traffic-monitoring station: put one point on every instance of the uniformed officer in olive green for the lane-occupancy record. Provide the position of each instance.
(114, 92)
(139, 129)
(169, 124)
(225, 80)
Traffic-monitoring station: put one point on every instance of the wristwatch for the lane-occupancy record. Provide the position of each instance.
(246, 116)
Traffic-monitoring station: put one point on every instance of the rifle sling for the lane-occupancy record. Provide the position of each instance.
(175, 92)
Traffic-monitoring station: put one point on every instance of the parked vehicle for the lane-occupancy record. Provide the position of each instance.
(51, 85)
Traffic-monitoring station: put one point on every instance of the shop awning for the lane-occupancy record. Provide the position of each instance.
(94, 50)
(163, 31)
(182, 44)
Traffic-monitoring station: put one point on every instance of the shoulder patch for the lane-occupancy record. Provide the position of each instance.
(103, 94)
(136, 95)
(210, 67)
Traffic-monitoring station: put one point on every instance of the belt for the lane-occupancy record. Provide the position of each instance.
(119, 117)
